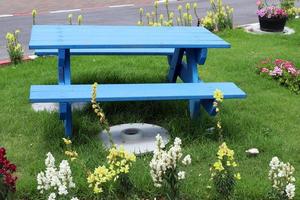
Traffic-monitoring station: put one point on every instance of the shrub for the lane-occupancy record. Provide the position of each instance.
(282, 179)
(223, 172)
(283, 71)
(165, 165)
(219, 17)
(14, 48)
(7, 179)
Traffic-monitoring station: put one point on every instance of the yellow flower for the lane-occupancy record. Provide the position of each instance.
(218, 166)
(66, 141)
(195, 5)
(188, 6)
(218, 95)
(79, 19)
(237, 176)
(141, 11)
(156, 4)
(34, 12)
(180, 8)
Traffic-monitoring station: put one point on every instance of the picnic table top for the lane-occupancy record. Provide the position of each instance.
(88, 36)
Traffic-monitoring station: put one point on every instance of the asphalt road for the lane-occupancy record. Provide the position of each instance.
(244, 12)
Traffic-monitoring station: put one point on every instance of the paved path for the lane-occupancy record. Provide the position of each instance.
(94, 12)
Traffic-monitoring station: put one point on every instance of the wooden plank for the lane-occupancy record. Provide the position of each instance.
(123, 51)
(133, 92)
(83, 37)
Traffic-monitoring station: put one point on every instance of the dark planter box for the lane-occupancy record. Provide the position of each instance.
(272, 24)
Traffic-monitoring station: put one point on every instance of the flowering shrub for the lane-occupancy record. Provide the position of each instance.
(219, 17)
(164, 166)
(283, 71)
(223, 172)
(55, 181)
(289, 7)
(14, 48)
(283, 181)
(218, 95)
(158, 19)
(119, 162)
(7, 179)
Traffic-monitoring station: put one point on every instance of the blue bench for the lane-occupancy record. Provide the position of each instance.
(173, 42)
(85, 52)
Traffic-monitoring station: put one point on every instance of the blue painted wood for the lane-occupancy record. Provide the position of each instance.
(122, 51)
(201, 56)
(84, 37)
(189, 73)
(133, 92)
(208, 106)
(68, 121)
(64, 78)
(175, 64)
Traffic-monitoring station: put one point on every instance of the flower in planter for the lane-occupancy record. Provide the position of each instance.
(7, 179)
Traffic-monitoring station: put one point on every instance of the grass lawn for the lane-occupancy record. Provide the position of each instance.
(268, 119)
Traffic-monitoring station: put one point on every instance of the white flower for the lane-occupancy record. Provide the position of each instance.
(74, 198)
(274, 163)
(281, 175)
(290, 190)
(52, 196)
(57, 180)
(187, 160)
(181, 175)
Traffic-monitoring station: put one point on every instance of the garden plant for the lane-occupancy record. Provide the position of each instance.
(268, 119)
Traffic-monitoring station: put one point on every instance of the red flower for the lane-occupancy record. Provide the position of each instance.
(6, 170)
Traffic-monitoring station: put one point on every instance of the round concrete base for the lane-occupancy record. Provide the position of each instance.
(137, 138)
(255, 29)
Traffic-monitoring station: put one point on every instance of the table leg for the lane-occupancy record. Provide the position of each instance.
(64, 78)
(188, 73)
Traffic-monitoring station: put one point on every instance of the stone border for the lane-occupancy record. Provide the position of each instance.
(254, 28)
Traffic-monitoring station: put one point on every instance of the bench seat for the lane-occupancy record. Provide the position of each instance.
(133, 92)
(121, 51)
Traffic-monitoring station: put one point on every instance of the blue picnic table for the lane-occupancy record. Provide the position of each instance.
(173, 42)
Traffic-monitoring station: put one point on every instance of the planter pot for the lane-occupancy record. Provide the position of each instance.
(272, 24)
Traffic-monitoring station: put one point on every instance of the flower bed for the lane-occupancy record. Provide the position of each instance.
(283, 71)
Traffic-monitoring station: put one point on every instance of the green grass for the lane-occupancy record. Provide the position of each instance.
(267, 119)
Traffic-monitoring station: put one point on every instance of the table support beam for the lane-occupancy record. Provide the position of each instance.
(64, 78)
(188, 73)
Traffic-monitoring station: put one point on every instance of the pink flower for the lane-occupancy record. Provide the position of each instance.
(264, 70)
(258, 2)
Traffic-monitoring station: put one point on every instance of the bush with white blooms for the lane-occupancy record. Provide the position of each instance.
(165, 166)
(283, 181)
(55, 181)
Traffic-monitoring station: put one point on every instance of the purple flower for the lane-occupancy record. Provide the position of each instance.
(277, 71)
(261, 12)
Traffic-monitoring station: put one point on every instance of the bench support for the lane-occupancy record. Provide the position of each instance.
(188, 72)
(64, 78)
